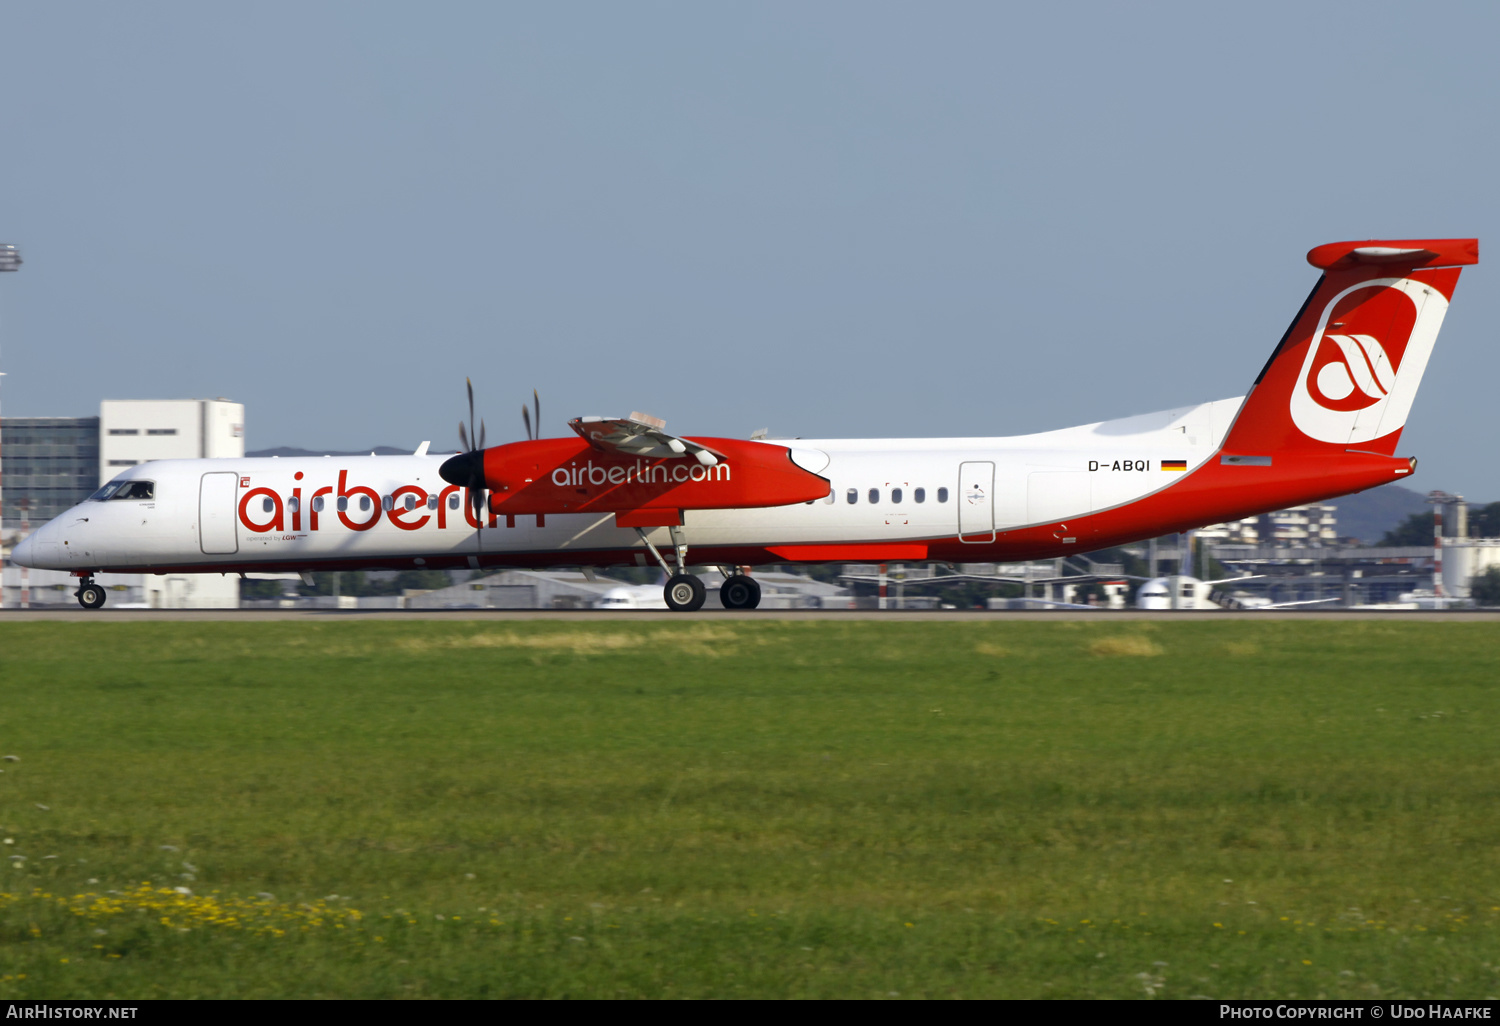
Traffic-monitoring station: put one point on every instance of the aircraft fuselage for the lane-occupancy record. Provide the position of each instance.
(970, 500)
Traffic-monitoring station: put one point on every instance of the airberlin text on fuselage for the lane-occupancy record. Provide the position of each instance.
(643, 473)
(271, 505)
(296, 508)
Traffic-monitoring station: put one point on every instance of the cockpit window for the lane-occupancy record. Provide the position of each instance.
(136, 490)
(125, 490)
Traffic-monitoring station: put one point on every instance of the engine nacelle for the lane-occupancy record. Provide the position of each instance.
(568, 475)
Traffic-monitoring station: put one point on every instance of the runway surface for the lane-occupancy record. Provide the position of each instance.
(598, 616)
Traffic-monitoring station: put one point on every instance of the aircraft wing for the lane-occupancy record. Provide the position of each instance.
(1059, 605)
(639, 435)
(1289, 605)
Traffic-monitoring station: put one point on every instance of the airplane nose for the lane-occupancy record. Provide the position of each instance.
(460, 470)
(22, 554)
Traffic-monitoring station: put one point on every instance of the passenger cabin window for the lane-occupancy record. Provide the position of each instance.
(432, 502)
(411, 502)
(895, 495)
(386, 503)
(942, 495)
(853, 496)
(268, 504)
(919, 494)
(874, 496)
(828, 499)
(317, 504)
(453, 501)
(344, 503)
(364, 504)
(293, 504)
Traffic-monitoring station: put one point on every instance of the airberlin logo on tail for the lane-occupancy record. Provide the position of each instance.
(1352, 373)
(1366, 360)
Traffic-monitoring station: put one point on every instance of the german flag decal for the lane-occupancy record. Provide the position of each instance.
(1174, 464)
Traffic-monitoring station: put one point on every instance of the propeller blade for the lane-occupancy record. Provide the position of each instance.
(538, 400)
(476, 507)
(472, 436)
(526, 419)
(467, 468)
(476, 500)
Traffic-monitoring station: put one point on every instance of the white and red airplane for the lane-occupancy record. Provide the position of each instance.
(1322, 419)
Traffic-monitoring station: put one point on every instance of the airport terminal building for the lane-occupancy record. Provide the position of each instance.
(48, 464)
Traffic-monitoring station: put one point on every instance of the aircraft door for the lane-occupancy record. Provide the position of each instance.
(218, 532)
(976, 502)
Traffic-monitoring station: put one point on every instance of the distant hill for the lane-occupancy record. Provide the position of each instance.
(1368, 515)
(286, 452)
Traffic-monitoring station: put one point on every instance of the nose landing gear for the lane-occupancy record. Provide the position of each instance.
(90, 595)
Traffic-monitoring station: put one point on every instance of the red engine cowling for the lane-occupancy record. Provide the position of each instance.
(568, 475)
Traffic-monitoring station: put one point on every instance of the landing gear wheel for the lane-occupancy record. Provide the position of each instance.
(685, 593)
(740, 592)
(91, 596)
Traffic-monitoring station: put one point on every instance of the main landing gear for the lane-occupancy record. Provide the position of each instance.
(686, 594)
(90, 595)
(739, 591)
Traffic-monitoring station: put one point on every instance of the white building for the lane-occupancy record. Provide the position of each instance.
(1233, 532)
(1303, 526)
(1297, 527)
(134, 431)
(1465, 558)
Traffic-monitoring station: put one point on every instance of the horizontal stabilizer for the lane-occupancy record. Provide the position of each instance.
(1338, 256)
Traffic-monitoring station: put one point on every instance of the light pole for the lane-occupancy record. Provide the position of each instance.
(10, 260)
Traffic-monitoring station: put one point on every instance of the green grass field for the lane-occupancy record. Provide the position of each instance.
(771, 808)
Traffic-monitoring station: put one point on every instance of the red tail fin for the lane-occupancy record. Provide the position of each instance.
(1346, 371)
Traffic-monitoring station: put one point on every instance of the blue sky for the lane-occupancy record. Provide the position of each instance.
(845, 219)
